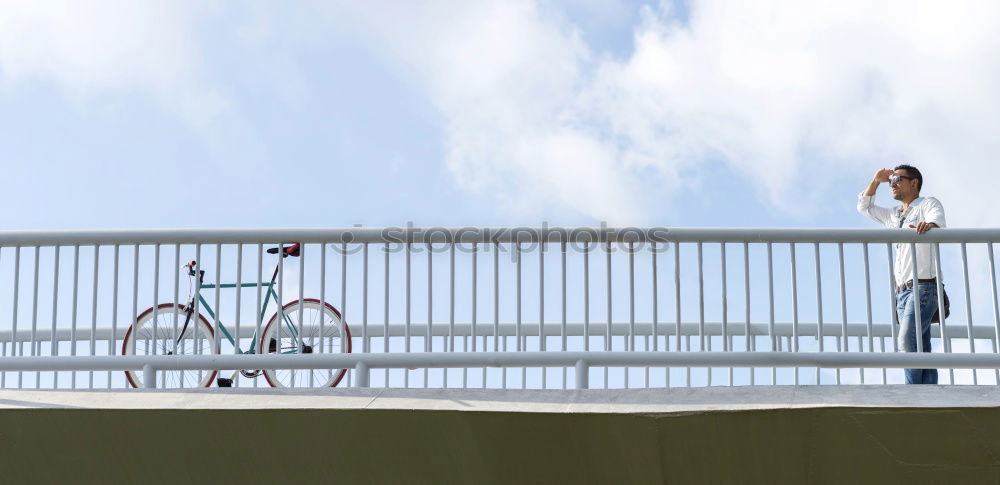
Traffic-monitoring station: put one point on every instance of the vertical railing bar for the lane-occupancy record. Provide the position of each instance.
(843, 307)
(770, 309)
(631, 299)
(321, 346)
(135, 286)
(701, 307)
(541, 300)
(517, 294)
(197, 306)
(217, 335)
(54, 345)
(496, 307)
(608, 344)
(279, 316)
(819, 300)
(345, 339)
(407, 321)
(239, 292)
(428, 338)
(15, 344)
(892, 296)
(725, 299)
(748, 338)
(522, 339)
(385, 307)
(968, 309)
(820, 337)
(259, 313)
(945, 341)
(301, 307)
(451, 298)
(156, 299)
(299, 338)
(915, 297)
(794, 344)
(655, 301)
(73, 322)
(868, 308)
(93, 320)
(450, 344)
(892, 303)
(725, 307)
(541, 303)
(562, 330)
(677, 307)
(656, 308)
(475, 304)
(630, 345)
(114, 310)
(365, 344)
(34, 312)
(586, 296)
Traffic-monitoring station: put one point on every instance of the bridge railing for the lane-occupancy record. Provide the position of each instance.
(484, 307)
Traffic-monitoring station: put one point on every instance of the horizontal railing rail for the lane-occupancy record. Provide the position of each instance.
(489, 235)
(488, 330)
(581, 362)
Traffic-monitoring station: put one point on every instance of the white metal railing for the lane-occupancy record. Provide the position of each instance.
(485, 307)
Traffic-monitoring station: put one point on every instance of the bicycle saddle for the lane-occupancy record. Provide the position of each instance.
(286, 251)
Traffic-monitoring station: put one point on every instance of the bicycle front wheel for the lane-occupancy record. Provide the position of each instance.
(322, 331)
(162, 331)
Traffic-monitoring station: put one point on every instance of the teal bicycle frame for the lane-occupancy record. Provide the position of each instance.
(271, 294)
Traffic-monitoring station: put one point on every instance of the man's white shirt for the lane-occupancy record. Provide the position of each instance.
(922, 209)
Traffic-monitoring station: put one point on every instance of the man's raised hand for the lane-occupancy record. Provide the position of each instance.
(882, 175)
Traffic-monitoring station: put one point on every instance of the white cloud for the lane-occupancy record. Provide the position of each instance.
(779, 92)
(92, 49)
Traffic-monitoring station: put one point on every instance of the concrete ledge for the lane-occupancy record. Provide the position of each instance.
(815, 434)
(616, 401)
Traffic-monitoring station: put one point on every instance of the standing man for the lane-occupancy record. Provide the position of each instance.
(921, 214)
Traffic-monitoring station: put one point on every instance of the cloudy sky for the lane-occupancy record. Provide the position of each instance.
(120, 114)
(218, 114)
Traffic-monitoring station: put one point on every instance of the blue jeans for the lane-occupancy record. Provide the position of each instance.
(908, 329)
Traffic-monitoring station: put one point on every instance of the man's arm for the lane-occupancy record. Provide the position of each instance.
(932, 216)
(866, 205)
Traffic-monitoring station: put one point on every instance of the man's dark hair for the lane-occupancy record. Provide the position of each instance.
(912, 172)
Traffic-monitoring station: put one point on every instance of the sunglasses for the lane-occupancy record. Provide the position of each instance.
(894, 179)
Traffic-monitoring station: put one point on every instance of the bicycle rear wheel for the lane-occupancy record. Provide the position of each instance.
(156, 333)
(323, 331)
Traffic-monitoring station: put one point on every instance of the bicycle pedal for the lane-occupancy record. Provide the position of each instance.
(224, 382)
(272, 346)
(307, 349)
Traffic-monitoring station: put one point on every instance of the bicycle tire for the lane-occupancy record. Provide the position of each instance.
(331, 332)
(146, 338)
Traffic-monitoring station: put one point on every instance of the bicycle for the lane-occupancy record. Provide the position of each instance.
(155, 332)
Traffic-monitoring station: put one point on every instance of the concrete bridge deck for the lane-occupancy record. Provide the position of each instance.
(781, 434)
